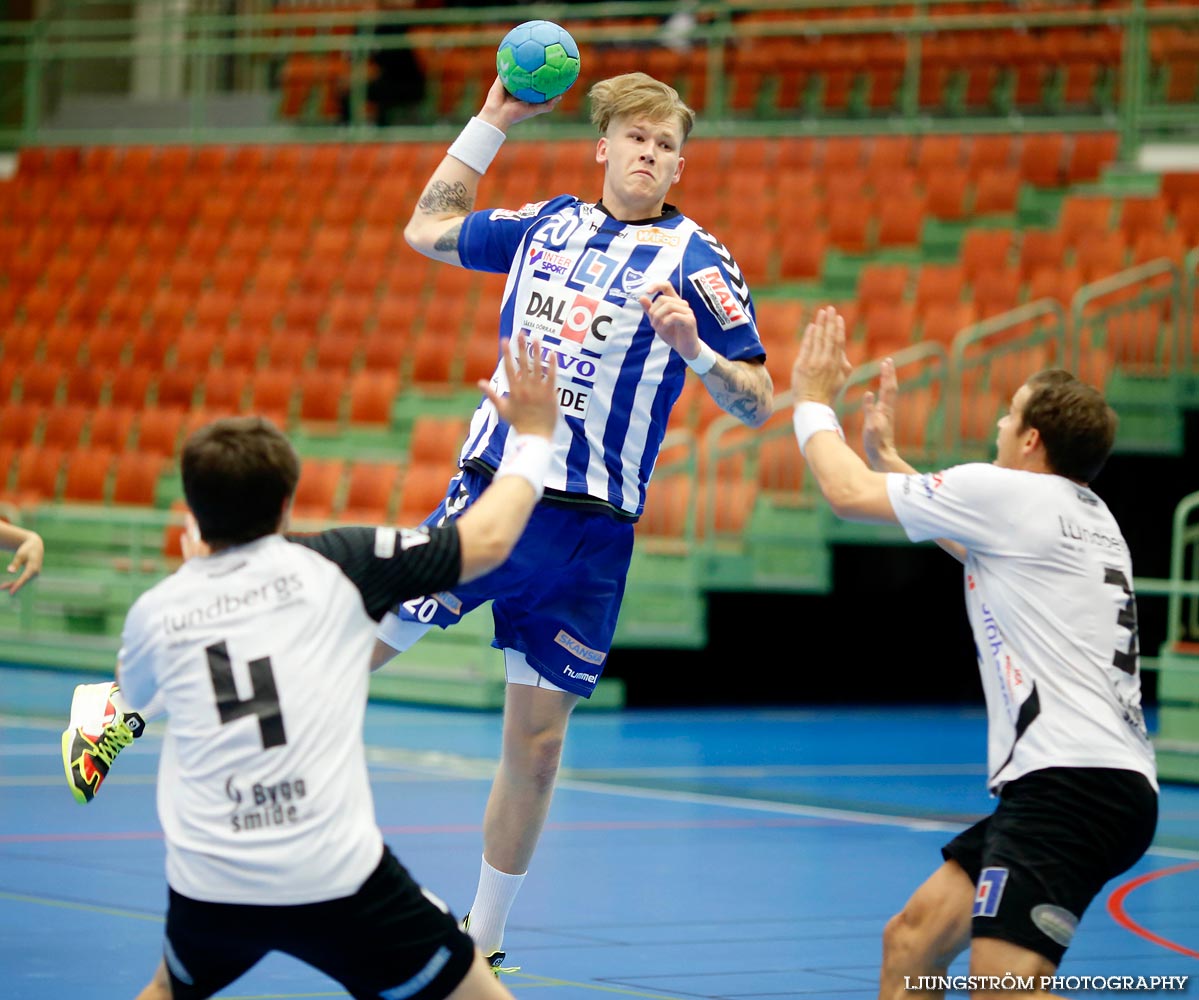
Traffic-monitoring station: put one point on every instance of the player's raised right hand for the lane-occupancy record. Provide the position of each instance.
(503, 110)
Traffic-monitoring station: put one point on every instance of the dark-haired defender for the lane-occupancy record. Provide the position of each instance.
(1048, 586)
(258, 648)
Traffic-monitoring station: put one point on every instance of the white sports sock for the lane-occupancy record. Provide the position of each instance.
(489, 912)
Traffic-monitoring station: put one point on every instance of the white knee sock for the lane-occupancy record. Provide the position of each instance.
(489, 912)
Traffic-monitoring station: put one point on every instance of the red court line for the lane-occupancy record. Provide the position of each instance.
(1115, 907)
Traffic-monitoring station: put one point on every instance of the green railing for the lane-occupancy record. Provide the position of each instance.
(888, 67)
(1136, 316)
(989, 361)
(1182, 622)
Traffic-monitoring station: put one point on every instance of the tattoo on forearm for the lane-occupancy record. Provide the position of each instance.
(744, 391)
(441, 196)
(449, 239)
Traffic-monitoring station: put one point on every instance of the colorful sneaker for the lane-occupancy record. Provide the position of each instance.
(97, 733)
(496, 958)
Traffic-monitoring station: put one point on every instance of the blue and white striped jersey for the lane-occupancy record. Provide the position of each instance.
(574, 274)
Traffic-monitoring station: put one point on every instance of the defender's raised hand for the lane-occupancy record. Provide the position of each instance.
(821, 367)
(531, 405)
(878, 426)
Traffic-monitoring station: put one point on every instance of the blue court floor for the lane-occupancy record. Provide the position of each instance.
(739, 855)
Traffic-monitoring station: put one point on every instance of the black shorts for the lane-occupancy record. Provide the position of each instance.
(386, 940)
(1046, 851)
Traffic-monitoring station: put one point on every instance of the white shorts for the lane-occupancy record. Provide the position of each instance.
(402, 635)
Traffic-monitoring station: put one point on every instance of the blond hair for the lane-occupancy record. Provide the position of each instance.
(638, 95)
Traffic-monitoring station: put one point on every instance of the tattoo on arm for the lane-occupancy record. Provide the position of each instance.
(448, 240)
(745, 390)
(441, 196)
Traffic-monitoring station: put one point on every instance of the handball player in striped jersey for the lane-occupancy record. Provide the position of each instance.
(628, 293)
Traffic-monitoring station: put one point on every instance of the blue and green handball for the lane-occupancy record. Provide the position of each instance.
(537, 61)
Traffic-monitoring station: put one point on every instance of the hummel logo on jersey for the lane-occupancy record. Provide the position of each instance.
(736, 279)
(719, 297)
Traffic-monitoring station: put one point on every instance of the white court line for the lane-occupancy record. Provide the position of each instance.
(446, 765)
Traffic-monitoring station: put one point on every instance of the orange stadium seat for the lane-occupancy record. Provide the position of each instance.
(85, 386)
(1152, 245)
(1101, 255)
(110, 428)
(195, 349)
(383, 350)
(940, 284)
(900, 220)
(372, 394)
(1060, 283)
(136, 481)
(1041, 159)
(271, 395)
(290, 349)
(321, 396)
(989, 152)
(1041, 248)
(317, 489)
(422, 492)
(1089, 153)
(38, 472)
(849, 224)
(149, 347)
(129, 386)
(62, 345)
(1138, 215)
(780, 466)
(436, 440)
(985, 249)
(996, 192)
(336, 351)
(996, 291)
(942, 321)
(224, 389)
(1083, 215)
(64, 427)
(18, 423)
(86, 476)
(243, 348)
(159, 431)
(432, 359)
(176, 389)
(369, 493)
(40, 383)
(946, 194)
(881, 283)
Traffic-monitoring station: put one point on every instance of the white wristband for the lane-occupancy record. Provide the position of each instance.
(702, 363)
(527, 456)
(477, 145)
(809, 418)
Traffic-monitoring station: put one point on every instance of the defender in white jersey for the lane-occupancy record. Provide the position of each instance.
(627, 293)
(252, 648)
(1048, 584)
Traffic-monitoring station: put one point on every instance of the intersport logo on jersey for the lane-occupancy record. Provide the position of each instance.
(548, 261)
(721, 300)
